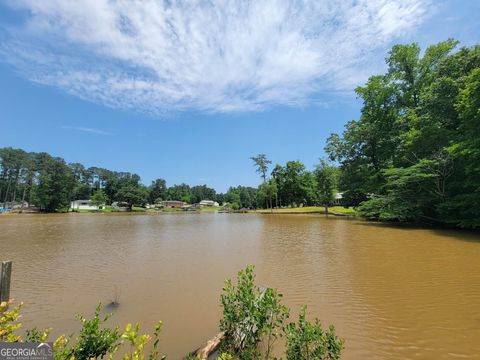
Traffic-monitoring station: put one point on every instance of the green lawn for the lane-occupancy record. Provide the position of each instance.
(342, 210)
(210, 208)
(106, 209)
(170, 209)
(138, 209)
(312, 209)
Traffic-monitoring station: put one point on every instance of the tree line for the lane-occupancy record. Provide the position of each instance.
(51, 184)
(294, 185)
(414, 153)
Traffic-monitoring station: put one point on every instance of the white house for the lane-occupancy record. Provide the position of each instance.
(15, 205)
(208, 203)
(338, 199)
(84, 205)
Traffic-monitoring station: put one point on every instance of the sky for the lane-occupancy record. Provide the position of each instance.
(189, 91)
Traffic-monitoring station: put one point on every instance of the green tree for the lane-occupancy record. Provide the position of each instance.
(261, 163)
(202, 192)
(99, 198)
(17, 170)
(295, 185)
(118, 180)
(460, 209)
(327, 182)
(268, 191)
(244, 196)
(412, 154)
(132, 195)
(157, 191)
(55, 184)
(180, 192)
(232, 196)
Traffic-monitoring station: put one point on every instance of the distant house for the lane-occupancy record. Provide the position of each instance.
(15, 205)
(208, 203)
(172, 204)
(120, 206)
(84, 205)
(338, 199)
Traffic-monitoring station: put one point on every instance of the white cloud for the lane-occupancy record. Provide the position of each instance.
(85, 129)
(217, 56)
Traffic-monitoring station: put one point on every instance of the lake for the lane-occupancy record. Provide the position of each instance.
(391, 292)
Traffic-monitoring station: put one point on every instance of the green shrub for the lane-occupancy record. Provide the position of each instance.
(9, 323)
(253, 319)
(250, 315)
(94, 341)
(307, 341)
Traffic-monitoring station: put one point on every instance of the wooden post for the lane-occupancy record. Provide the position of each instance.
(5, 275)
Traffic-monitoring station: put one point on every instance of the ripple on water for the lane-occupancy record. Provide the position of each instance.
(393, 293)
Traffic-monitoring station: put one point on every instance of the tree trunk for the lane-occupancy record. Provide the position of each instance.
(3, 181)
(23, 195)
(6, 193)
(15, 186)
(30, 184)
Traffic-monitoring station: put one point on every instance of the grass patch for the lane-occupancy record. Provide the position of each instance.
(312, 209)
(138, 209)
(106, 209)
(210, 208)
(171, 209)
(343, 210)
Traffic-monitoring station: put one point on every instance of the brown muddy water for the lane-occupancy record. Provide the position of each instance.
(392, 293)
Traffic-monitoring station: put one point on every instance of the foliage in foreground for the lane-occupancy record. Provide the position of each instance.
(94, 341)
(307, 340)
(253, 319)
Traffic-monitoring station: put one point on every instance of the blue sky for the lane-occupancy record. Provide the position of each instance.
(188, 92)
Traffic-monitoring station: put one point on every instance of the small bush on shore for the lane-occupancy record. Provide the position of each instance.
(307, 340)
(254, 318)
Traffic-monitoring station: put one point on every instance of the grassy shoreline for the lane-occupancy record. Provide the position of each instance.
(333, 210)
